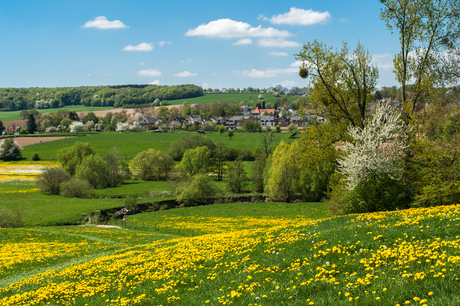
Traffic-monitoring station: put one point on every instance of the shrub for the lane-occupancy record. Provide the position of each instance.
(77, 189)
(131, 204)
(185, 143)
(35, 157)
(9, 150)
(151, 165)
(196, 160)
(51, 179)
(196, 191)
(93, 169)
(9, 219)
(383, 194)
(71, 157)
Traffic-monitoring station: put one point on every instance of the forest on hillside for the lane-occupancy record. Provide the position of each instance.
(118, 96)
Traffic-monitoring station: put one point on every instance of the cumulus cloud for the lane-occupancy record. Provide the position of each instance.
(297, 16)
(162, 43)
(383, 61)
(227, 28)
(296, 64)
(140, 47)
(244, 41)
(286, 84)
(267, 73)
(157, 82)
(278, 42)
(101, 22)
(274, 53)
(149, 72)
(185, 74)
(344, 20)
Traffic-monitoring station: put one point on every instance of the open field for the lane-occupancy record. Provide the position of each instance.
(129, 144)
(406, 257)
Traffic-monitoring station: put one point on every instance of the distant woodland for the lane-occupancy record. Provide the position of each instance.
(117, 96)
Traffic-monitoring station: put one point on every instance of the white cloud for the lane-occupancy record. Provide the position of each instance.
(267, 73)
(227, 28)
(344, 20)
(244, 41)
(141, 63)
(88, 75)
(205, 85)
(278, 42)
(383, 61)
(274, 53)
(185, 74)
(101, 22)
(286, 84)
(140, 47)
(162, 43)
(296, 64)
(189, 61)
(149, 72)
(157, 82)
(297, 16)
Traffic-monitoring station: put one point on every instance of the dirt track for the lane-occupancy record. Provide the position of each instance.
(27, 141)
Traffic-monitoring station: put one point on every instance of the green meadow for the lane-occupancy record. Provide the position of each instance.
(129, 144)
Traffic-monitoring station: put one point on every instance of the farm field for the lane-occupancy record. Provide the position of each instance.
(129, 144)
(408, 257)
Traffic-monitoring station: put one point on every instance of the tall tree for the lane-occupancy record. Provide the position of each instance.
(2, 128)
(422, 26)
(343, 83)
(31, 124)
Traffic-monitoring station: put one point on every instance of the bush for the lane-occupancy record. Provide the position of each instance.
(185, 143)
(384, 194)
(151, 165)
(35, 157)
(131, 204)
(71, 157)
(196, 191)
(51, 179)
(93, 169)
(75, 188)
(9, 219)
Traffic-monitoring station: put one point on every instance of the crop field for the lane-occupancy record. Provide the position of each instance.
(408, 257)
(131, 143)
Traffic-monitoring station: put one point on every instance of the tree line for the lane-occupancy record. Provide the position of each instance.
(118, 96)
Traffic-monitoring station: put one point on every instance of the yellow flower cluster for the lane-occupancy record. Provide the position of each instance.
(23, 170)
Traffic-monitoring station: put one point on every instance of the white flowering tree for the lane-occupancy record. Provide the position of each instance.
(135, 126)
(121, 127)
(377, 149)
(138, 117)
(77, 127)
(89, 126)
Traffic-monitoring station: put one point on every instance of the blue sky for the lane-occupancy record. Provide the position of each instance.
(208, 43)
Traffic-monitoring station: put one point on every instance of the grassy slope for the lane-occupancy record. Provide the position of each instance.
(405, 257)
(129, 144)
(14, 115)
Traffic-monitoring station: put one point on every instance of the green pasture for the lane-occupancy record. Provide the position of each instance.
(14, 115)
(228, 97)
(131, 143)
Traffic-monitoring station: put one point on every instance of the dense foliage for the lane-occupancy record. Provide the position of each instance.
(122, 95)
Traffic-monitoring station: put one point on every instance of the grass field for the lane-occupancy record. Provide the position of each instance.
(405, 257)
(129, 144)
(228, 97)
(14, 115)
